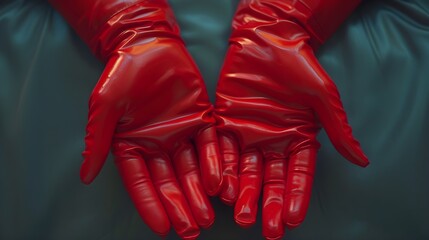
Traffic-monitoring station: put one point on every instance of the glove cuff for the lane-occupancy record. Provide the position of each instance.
(107, 26)
(319, 18)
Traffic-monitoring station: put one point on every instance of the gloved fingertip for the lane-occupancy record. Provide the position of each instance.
(273, 232)
(190, 234)
(244, 223)
(212, 185)
(359, 158)
(163, 234)
(245, 219)
(273, 237)
(293, 219)
(85, 181)
(364, 162)
(206, 218)
(292, 225)
(85, 176)
(207, 223)
(227, 200)
(91, 165)
(295, 208)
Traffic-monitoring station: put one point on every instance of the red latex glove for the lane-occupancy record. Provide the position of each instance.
(150, 105)
(273, 97)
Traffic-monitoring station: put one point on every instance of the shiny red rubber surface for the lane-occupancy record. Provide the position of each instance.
(273, 97)
(151, 108)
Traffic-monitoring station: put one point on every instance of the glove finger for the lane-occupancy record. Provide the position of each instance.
(300, 172)
(331, 113)
(172, 197)
(100, 128)
(272, 200)
(250, 177)
(186, 166)
(136, 179)
(210, 160)
(229, 151)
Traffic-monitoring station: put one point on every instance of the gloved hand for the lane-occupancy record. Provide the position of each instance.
(273, 97)
(150, 105)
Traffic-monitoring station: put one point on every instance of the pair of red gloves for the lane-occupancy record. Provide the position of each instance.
(173, 148)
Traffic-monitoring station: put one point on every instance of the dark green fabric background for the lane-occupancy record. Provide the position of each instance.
(379, 60)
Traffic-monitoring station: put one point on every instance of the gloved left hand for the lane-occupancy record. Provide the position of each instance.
(151, 106)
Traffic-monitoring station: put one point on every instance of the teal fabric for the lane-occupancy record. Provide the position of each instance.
(378, 59)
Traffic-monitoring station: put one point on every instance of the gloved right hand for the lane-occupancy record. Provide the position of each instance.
(272, 99)
(150, 105)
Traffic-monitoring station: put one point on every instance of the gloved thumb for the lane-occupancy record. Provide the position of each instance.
(331, 114)
(102, 120)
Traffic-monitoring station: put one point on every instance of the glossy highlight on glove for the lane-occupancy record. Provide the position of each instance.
(151, 108)
(273, 97)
